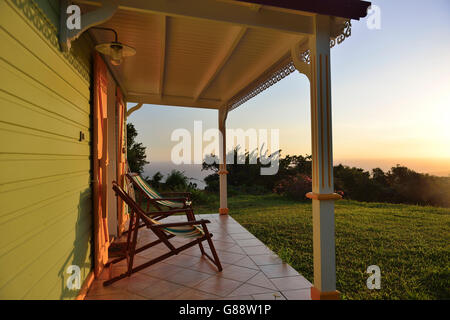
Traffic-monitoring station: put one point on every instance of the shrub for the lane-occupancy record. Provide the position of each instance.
(203, 197)
(294, 187)
(177, 181)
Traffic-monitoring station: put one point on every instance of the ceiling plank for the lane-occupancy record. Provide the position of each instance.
(168, 100)
(219, 11)
(242, 91)
(162, 67)
(204, 84)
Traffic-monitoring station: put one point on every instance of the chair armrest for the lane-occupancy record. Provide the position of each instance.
(158, 215)
(178, 199)
(177, 194)
(179, 224)
(169, 199)
(168, 212)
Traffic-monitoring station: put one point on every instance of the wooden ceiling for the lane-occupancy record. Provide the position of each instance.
(199, 53)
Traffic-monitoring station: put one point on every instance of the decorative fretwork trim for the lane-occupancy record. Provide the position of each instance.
(346, 32)
(270, 81)
(37, 17)
(305, 56)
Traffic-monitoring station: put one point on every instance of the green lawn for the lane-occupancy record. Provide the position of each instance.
(411, 244)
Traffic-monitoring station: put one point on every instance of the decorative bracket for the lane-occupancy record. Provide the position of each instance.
(87, 20)
(133, 109)
(223, 114)
(301, 57)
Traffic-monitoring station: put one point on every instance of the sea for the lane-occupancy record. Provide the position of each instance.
(438, 167)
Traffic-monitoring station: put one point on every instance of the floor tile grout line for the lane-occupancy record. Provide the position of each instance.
(245, 266)
(187, 268)
(259, 285)
(281, 291)
(210, 278)
(182, 285)
(224, 227)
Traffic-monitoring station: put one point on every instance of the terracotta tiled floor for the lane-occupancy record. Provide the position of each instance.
(250, 270)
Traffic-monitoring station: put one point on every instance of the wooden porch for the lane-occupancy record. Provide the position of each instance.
(251, 270)
(218, 55)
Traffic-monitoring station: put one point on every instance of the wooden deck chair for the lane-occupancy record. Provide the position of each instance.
(170, 200)
(140, 191)
(191, 229)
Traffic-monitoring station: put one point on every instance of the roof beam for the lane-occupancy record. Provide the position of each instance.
(350, 9)
(220, 11)
(162, 67)
(148, 98)
(223, 60)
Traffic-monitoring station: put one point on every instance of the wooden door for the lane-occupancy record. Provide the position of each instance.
(100, 159)
(122, 215)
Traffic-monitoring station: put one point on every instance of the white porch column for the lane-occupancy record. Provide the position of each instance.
(223, 162)
(317, 68)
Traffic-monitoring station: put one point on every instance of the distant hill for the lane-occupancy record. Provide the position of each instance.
(437, 167)
(440, 173)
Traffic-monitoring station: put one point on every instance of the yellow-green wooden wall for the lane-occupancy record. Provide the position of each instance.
(45, 190)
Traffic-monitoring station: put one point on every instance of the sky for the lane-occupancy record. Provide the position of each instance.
(390, 97)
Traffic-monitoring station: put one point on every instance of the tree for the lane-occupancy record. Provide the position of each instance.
(244, 171)
(293, 179)
(155, 181)
(177, 180)
(135, 151)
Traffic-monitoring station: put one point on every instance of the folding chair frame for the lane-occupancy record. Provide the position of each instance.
(129, 247)
(160, 214)
(184, 197)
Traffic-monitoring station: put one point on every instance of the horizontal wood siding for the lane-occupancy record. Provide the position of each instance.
(45, 193)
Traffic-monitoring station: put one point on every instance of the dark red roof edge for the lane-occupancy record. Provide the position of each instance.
(351, 9)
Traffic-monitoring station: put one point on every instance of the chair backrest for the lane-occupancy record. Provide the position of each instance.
(130, 190)
(190, 231)
(131, 203)
(142, 185)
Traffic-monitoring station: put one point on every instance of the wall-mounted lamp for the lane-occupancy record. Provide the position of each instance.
(115, 50)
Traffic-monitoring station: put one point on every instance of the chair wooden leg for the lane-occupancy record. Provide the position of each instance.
(190, 215)
(201, 248)
(133, 246)
(212, 248)
(140, 226)
(136, 251)
(151, 262)
(130, 227)
(164, 238)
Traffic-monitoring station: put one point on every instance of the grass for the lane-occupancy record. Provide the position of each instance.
(411, 244)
